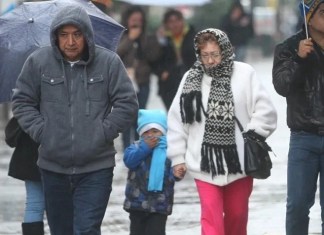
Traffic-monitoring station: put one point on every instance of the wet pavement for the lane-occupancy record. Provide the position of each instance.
(267, 203)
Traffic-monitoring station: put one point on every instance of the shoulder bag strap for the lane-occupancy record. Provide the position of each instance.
(239, 124)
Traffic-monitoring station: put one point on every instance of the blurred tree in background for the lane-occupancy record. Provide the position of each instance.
(210, 15)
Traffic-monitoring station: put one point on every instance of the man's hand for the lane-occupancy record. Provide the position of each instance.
(306, 46)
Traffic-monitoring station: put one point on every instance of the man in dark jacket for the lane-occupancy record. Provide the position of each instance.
(298, 75)
(74, 98)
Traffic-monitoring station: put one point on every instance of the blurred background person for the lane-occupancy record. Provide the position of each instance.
(238, 26)
(23, 166)
(104, 5)
(178, 55)
(138, 51)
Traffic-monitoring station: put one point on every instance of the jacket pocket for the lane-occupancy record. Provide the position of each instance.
(96, 88)
(53, 88)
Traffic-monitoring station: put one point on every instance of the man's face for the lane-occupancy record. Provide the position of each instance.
(316, 22)
(175, 25)
(71, 42)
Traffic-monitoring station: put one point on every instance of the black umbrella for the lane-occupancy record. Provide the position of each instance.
(27, 27)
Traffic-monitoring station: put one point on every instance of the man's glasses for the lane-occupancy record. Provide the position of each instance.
(214, 55)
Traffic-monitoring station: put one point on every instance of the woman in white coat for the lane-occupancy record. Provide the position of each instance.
(204, 138)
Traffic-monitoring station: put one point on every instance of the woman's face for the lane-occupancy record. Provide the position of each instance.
(135, 20)
(210, 54)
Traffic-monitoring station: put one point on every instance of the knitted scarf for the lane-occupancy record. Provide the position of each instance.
(156, 175)
(218, 144)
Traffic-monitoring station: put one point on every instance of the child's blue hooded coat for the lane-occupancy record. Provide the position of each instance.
(138, 158)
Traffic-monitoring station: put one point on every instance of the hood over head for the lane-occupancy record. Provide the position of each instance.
(77, 16)
(151, 118)
(223, 42)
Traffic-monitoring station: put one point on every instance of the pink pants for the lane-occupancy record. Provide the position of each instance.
(224, 209)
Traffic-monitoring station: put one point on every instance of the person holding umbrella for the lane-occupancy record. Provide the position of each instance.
(298, 75)
(74, 98)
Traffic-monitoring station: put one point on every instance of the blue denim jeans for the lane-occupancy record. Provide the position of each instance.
(143, 95)
(240, 53)
(35, 204)
(76, 204)
(305, 165)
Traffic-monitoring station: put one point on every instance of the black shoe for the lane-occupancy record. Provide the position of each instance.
(34, 228)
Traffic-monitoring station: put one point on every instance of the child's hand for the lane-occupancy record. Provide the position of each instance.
(151, 141)
(179, 171)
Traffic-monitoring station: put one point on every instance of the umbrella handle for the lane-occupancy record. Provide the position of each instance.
(305, 21)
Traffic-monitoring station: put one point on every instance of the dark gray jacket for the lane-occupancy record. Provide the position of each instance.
(75, 113)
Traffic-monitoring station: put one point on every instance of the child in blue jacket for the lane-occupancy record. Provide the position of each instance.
(150, 182)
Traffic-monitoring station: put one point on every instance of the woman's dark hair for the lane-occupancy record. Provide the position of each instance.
(237, 4)
(172, 12)
(131, 10)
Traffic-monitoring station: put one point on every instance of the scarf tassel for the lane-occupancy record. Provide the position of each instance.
(230, 154)
(199, 107)
(188, 114)
(207, 163)
(232, 160)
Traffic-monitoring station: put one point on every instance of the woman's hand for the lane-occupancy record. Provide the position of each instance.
(179, 171)
(134, 32)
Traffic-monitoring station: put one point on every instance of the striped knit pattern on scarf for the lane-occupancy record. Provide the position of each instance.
(218, 144)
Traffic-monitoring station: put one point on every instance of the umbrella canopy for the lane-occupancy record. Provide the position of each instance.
(27, 27)
(168, 2)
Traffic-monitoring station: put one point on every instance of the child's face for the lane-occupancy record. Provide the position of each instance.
(152, 133)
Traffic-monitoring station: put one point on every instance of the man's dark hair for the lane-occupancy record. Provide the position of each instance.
(172, 12)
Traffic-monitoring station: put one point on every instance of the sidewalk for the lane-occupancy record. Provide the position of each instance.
(267, 204)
